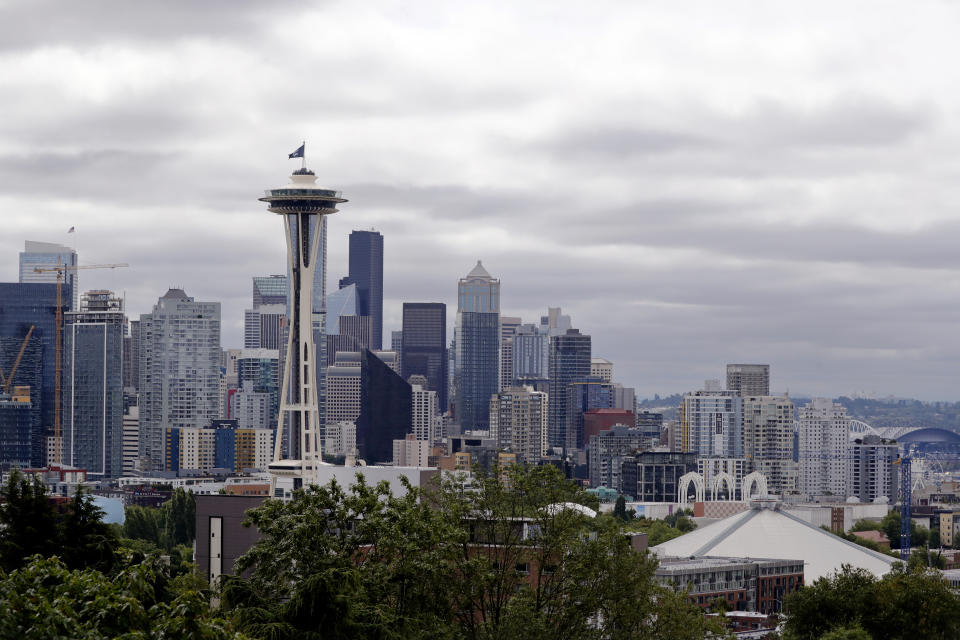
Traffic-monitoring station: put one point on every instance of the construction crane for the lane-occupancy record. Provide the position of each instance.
(906, 496)
(60, 269)
(6, 382)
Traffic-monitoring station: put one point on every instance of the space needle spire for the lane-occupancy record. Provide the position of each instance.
(304, 207)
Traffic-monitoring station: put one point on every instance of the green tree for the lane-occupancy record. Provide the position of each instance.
(498, 555)
(45, 599)
(620, 510)
(87, 541)
(143, 523)
(902, 604)
(178, 517)
(28, 522)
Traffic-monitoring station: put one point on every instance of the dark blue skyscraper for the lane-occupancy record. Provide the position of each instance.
(569, 361)
(366, 271)
(386, 409)
(424, 346)
(93, 385)
(23, 306)
(477, 340)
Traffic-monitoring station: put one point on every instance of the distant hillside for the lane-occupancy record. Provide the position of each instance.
(878, 413)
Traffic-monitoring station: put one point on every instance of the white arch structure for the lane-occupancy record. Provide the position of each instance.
(718, 481)
(751, 481)
(683, 487)
(860, 427)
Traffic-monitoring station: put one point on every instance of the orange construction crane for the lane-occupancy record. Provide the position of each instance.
(6, 382)
(60, 269)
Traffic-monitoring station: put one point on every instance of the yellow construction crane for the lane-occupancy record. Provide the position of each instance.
(6, 382)
(60, 269)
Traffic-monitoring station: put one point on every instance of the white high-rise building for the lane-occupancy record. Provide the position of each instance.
(179, 370)
(873, 470)
(251, 409)
(768, 441)
(340, 439)
(424, 413)
(197, 448)
(824, 448)
(711, 423)
(131, 440)
(518, 422)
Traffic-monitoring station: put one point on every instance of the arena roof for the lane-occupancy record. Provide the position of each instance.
(774, 533)
(931, 435)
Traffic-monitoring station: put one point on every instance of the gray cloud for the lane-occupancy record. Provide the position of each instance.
(743, 199)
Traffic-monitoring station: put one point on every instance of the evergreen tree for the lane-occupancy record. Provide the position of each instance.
(28, 522)
(87, 541)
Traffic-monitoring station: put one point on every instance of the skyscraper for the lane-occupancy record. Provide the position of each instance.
(386, 408)
(48, 254)
(304, 207)
(93, 385)
(749, 379)
(366, 271)
(824, 443)
(583, 395)
(259, 368)
(477, 347)
(23, 306)
(569, 360)
(873, 470)
(423, 349)
(179, 370)
(424, 413)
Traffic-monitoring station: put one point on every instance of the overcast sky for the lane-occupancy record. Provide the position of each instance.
(696, 183)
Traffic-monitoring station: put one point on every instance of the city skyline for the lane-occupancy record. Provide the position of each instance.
(798, 214)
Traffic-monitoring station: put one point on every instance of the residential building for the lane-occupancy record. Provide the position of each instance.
(608, 450)
(518, 423)
(131, 358)
(425, 413)
(179, 370)
(252, 409)
(477, 347)
(749, 379)
(569, 360)
(423, 346)
(744, 584)
(131, 441)
(261, 369)
(824, 429)
(654, 476)
(768, 427)
(873, 469)
(711, 423)
(92, 387)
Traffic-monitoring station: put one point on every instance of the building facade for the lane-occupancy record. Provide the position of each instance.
(423, 346)
(873, 471)
(711, 423)
(366, 271)
(749, 379)
(179, 370)
(569, 360)
(608, 450)
(768, 427)
(654, 476)
(823, 428)
(518, 423)
(386, 409)
(46, 255)
(477, 348)
(92, 388)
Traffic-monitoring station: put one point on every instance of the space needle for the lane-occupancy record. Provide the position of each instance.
(304, 207)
